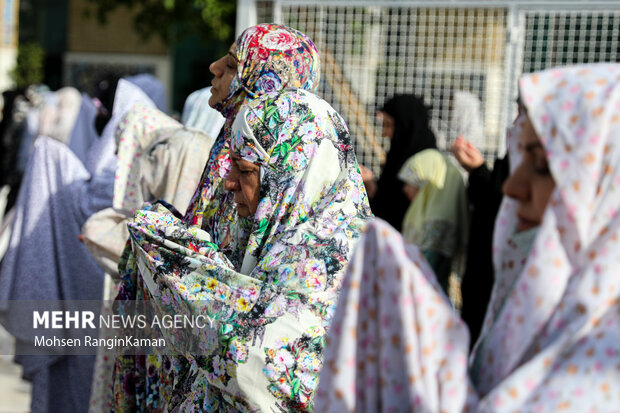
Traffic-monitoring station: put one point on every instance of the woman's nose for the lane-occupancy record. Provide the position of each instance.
(215, 68)
(517, 184)
(231, 182)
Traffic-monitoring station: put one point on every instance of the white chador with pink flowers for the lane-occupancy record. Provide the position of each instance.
(551, 338)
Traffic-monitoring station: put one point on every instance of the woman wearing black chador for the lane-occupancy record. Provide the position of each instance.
(406, 124)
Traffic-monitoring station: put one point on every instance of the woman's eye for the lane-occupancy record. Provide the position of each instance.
(542, 168)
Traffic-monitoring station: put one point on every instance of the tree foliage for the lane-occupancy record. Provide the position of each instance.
(172, 20)
(29, 68)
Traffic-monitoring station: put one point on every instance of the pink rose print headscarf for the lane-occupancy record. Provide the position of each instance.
(550, 341)
(273, 57)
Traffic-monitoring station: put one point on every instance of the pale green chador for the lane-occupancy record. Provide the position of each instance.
(438, 219)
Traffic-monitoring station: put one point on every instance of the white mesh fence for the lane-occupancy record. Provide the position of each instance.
(560, 38)
(462, 57)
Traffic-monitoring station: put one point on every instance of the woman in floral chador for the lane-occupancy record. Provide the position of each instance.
(550, 338)
(265, 58)
(301, 205)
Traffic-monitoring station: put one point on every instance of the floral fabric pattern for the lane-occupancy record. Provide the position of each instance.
(275, 57)
(292, 197)
(272, 301)
(132, 136)
(292, 368)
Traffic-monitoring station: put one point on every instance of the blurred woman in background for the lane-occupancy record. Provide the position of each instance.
(405, 121)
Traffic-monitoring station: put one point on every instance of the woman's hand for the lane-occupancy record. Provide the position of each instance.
(369, 181)
(466, 154)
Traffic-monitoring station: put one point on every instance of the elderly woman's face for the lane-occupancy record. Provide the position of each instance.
(244, 181)
(531, 184)
(224, 70)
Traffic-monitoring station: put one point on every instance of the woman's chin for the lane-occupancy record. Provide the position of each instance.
(524, 225)
(212, 102)
(242, 210)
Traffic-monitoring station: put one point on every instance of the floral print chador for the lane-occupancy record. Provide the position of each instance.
(267, 50)
(272, 300)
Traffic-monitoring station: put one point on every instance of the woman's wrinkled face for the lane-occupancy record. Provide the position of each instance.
(244, 181)
(388, 124)
(531, 183)
(224, 70)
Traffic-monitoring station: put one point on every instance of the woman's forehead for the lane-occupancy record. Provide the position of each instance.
(528, 137)
(236, 158)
